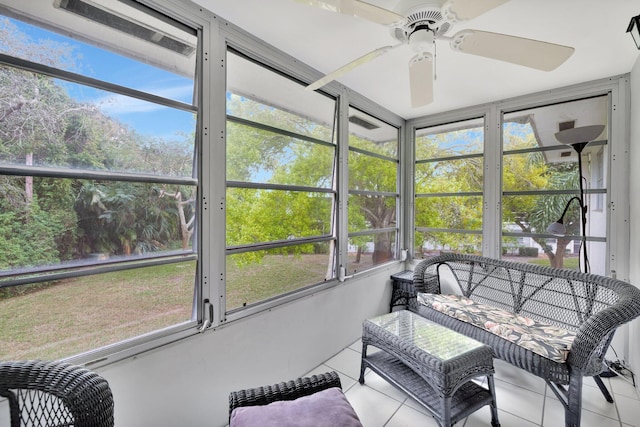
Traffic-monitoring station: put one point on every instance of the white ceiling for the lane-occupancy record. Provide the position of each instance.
(327, 40)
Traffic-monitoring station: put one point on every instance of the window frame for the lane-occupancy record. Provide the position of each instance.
(617, 169)
(470, 117)
(129, 346)
(397, 194)
(586, 175)
(229, 314)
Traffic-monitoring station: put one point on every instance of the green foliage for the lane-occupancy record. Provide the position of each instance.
(125, 218)
(28, 238)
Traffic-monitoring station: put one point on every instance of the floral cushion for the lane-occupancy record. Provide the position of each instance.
(546, 340)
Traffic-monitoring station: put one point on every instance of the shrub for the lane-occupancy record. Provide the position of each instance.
(528, 252)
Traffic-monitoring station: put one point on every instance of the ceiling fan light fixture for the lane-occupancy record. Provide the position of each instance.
(422, 39)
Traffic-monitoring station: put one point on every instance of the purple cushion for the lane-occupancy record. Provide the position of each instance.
(326, 408)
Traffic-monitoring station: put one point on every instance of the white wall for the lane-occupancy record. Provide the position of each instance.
(634, 201)
(188, 383)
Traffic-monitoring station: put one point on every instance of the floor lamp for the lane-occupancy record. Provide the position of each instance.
(578, 138)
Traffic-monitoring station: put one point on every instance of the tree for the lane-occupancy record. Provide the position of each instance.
(32, 113)
(260, 156)
(450, 176)
(371, 212)
(531, 171)
(186, 226)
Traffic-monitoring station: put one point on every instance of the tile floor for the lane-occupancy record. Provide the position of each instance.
(523, 399)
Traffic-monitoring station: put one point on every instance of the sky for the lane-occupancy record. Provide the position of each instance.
(146, 118)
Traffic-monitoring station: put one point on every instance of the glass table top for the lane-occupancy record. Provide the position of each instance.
(439, 341)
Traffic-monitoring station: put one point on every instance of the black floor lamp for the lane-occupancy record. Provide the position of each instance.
(578, 138)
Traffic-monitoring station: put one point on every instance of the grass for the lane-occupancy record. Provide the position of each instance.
(82, 314)
(275, 275)
(571, 263)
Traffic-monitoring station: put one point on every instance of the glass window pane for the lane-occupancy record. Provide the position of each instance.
(370, 250)
(371, 134)
(430, 244)
(369, 173)
(157, 58)
(257, 276)
(534, 214)
(258, 94)
(549, 166)
(257, 155)
(460, 213)
(532, 171)
(259, 216)
(89, 312)
(450, 176)
(536, 127)
(371, 212)
(451, 139)
(79, 221)
(526, 249)
(107, 133)
(278, 134)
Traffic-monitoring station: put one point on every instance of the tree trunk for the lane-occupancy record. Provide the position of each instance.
(186, 230)
(28, 181)
(558, 259)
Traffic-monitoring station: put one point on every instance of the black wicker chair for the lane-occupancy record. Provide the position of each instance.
(589, 305)
(289, 390)
(57, 394)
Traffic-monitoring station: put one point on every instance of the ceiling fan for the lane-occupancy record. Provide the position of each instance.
(420, 23)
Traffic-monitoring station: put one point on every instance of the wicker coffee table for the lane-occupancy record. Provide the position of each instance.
(431, 363)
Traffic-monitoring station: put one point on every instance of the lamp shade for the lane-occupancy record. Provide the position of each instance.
(557, 229)
(634, 29)
(579, 135)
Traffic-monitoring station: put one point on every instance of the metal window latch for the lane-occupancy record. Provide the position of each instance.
(208, 316)
(343, 274)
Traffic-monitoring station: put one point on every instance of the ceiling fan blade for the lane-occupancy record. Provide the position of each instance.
(350, 66)
(421, 80)
(357, 8)
(462, 10)
(516, 50)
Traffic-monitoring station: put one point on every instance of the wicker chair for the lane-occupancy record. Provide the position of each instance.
(589, 305)
(57, 394)
(289, 390)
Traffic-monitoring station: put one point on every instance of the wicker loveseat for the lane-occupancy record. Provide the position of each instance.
(556, 324)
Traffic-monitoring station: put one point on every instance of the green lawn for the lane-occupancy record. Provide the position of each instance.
(570, 263)
(81, 314)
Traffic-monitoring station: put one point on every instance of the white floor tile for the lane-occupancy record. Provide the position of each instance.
(357, 346)
(482, 418)
(376, 382)
(413, 404)
(554, 415)
(373, 408)
(623, 387)
(629, 410)
(345, 381)
(592, 399)
(520, 395)
(409, 417)
(346, 362)
(519, 401)
(516, 376)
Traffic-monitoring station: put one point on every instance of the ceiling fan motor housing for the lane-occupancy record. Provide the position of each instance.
(418, 20)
